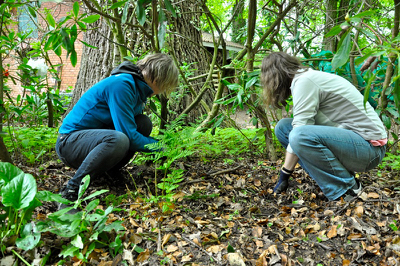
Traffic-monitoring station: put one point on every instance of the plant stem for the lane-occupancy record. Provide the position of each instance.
(24, 261)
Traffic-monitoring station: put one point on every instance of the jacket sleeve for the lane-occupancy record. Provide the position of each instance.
(122, 100)
(306, 98)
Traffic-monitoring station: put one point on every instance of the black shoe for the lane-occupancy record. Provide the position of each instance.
(70, 194)
(353, 192)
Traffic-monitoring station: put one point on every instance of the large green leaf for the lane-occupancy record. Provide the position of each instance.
(30, 237)
(343, 52)
(19, 192)
(8, 171)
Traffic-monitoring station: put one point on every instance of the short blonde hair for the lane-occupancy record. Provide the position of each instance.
(160, 68)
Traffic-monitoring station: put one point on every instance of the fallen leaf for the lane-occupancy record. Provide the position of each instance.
(172, 248)
(354, 236)
(359, 211)
(333, 232)
(235, 259)
(143, 256)
(373, 195)
(165, 239)
(187, 258)
(257, 232)
(346, 263)
(259, 243)
(257, 182)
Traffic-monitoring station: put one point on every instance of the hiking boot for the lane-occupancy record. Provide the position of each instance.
(70, 194)
(353, 192)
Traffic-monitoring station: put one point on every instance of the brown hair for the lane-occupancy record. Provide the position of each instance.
(161, 69)
(277, 72)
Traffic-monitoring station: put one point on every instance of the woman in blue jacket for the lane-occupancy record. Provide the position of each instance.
(106, 126)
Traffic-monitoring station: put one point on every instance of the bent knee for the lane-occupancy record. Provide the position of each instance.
(298, 137)
(120, 141)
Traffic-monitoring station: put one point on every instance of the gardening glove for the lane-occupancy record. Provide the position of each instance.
(283, 182)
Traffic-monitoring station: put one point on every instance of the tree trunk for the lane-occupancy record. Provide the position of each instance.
(96, 64)
(331, 12)
(189, 51)
(239, 22)
(4, 155)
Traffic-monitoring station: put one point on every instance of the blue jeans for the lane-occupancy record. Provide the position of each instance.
(330, 155)
(95, 151)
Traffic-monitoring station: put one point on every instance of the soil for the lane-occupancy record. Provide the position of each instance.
(225, 213)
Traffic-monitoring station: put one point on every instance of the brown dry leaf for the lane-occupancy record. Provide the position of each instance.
(346, 263)
(354, 236)
(257, 182)
(172, 248)
(333, 232)
(215, 248)
(214, 235)
(187, 258)
(373, 195)
(230, 224)
(262, 261)
(179, 196)
(259, 243)
(257, 232)
(359, 211)
(143, 256)
(381, 224)
(348, 212)
(284, 259)
(135, 239)
(103, 263)
(374, 249)
(165, 239)
(328, 213)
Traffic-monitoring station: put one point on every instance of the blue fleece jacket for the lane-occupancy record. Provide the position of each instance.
(111, 103)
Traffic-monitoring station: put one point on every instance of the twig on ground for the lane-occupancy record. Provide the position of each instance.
(225, 171)
(199, 247)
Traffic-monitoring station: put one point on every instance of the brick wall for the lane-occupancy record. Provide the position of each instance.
(68, 73)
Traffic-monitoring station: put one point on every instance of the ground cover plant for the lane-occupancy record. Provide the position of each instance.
(212, 207)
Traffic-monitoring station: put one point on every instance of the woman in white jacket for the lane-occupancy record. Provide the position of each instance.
(331, 135)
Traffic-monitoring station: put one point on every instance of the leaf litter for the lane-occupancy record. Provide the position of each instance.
(227, 214)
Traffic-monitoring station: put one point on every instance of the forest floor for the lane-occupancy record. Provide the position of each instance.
(225, 213)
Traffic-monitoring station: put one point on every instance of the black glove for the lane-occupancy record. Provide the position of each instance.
(283, 182)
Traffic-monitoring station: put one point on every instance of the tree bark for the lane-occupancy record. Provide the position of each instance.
(331, 13)
(189, 50)
(96, 64)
